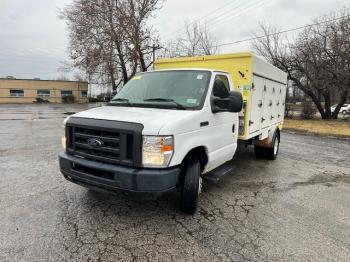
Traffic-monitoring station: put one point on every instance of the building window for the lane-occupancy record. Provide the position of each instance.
(83, 93)
(43, 93)
(66, 93)
(16, 92)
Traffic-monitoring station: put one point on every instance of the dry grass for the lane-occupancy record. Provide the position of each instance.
(338, 128)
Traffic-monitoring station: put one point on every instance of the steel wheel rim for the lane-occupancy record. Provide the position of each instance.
(200, 185)
(275, 147)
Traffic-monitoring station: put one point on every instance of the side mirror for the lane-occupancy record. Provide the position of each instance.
(220, 97)
(235, 103)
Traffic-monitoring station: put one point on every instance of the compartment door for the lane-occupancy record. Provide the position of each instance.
(275, 102)
(267, 103)
(282, 98)
(256, 104)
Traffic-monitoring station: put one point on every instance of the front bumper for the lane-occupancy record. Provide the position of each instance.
(113, 178)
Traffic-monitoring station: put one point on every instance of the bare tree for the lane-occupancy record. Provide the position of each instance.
(110, 39)
(317, 61)
(132, 16)
(196, 41)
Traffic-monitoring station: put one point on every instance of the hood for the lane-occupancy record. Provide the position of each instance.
(153, 119)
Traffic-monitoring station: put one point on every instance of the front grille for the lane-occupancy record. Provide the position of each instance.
(118, 145)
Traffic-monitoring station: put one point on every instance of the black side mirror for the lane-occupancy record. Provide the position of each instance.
(220, 97)
(235, 104)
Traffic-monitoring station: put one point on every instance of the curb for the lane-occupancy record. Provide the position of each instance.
(308, 133)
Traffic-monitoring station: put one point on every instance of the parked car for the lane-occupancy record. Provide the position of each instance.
(345, 109)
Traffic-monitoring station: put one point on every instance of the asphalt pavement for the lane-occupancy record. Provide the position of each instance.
(296, 208)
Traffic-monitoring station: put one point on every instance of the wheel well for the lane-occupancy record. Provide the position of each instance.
(200, 153)
(268, 142)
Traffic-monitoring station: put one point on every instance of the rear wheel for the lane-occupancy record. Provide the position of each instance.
(271, 153)
(344, 112)
(192, 185)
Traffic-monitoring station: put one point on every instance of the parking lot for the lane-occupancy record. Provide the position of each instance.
(296, 208)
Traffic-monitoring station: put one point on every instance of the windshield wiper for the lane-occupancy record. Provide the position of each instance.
(120, 100)
(160, 99)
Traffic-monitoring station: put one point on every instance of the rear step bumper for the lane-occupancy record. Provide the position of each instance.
(114, 178)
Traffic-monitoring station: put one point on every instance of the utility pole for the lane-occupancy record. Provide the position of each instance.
(154, 55)
(154, 49)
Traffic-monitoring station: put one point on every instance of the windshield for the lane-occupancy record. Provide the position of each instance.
(168, 89)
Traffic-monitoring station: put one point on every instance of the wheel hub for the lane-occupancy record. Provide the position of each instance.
(200, 185)
(275, 147)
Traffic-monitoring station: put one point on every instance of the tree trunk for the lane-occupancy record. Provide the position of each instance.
(320, 108)
(114, 86)
(122, 64)
(327, 105)
(317, 102)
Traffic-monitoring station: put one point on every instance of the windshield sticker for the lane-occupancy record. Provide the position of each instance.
(136, 77)
(199, 77)
(191, 101)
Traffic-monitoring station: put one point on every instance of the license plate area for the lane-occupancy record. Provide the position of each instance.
(93, 171)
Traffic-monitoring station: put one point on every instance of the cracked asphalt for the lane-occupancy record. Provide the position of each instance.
(296, 208)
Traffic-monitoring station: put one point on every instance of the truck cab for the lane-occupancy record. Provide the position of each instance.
(162, 131)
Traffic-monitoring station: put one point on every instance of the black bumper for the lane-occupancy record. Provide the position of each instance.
(114, 178)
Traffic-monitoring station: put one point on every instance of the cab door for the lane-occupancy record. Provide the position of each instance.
(223, 127)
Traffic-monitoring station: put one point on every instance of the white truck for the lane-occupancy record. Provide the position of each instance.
(172, 127)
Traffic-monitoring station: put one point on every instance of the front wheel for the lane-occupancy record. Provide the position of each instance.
(271, 153)
(191, 188)
(344, 112)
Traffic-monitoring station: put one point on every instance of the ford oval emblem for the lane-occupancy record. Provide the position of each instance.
(94, 142)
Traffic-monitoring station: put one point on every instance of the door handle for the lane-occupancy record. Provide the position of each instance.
(233, 128)
(206, 123)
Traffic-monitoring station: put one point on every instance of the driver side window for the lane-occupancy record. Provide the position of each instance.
(224, 79)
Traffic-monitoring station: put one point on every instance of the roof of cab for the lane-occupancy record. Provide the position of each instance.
(189, 69)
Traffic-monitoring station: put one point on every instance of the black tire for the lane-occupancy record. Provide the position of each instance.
(259, 152)
(344, 112)
(190, 188)
(271, 153)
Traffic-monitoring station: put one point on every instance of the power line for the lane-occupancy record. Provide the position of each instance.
(226, 14)
(235, 11)
(201, 18)
(247, 8)
(281, 32)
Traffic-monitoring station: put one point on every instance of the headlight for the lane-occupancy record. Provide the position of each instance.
(64, 141)
(157, 151)
(63, 138)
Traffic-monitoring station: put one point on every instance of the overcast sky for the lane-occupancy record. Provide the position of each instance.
(34, 41)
